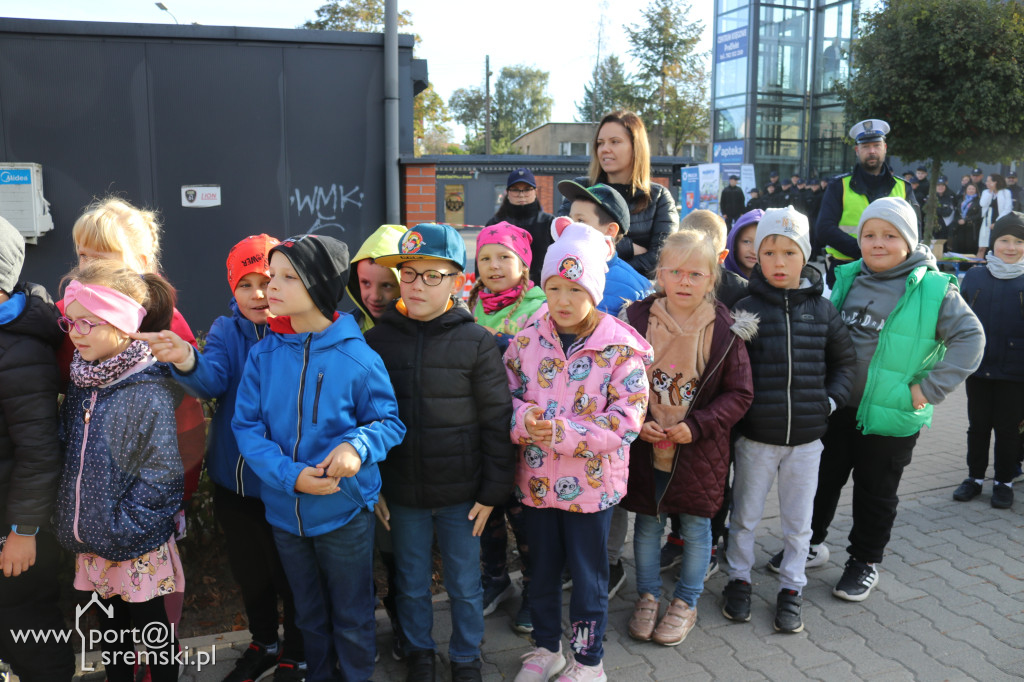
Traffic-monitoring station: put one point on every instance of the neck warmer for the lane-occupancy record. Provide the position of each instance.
(492, 303)
(95, 374)
(1002, 270)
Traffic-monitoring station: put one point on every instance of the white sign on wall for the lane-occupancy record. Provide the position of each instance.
(200, 196)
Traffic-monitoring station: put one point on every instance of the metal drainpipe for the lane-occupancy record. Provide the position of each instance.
(393, 208)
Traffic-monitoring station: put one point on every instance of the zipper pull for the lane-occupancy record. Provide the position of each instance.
(88, 415)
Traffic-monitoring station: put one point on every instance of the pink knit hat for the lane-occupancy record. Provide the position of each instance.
(511, 237)
(580, 255)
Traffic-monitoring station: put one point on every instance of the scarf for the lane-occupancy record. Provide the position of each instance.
(1002, 270)
(966, 204)
(492, 303)
(680, 355)
(94, 374)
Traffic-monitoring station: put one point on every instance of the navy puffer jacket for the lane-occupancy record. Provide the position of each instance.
(123, 479)
(999, 304)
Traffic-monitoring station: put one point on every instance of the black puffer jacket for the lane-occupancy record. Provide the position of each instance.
(454, 400)
(30, 452)
(802, 356)
(648, 227)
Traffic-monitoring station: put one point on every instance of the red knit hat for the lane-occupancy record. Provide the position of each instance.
(249, 255)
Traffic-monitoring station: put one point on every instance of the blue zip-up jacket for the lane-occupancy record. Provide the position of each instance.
(302, 395)
(217, 373)
(123, 479)
(622, 284)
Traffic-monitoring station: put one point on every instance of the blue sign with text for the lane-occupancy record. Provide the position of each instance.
(732, 45)
(727, 152)
(15, 176)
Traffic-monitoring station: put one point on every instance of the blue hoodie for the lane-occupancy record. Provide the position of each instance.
(302, 395)
(216, 374)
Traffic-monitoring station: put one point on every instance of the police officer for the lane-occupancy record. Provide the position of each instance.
(848, 195)
(1016, 191)
(732, 201)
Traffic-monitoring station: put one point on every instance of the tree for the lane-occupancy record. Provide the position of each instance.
(663, 47)
(468, 107)
(685, 118)
(962, 99)
(430, 117)
(609, 89)
(521, 102)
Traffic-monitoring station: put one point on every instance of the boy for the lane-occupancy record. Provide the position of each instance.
(252, 554)
(916, 340)
(30, 465)
(801, 359)
(374, 286)
(456, 462)
(314, 415)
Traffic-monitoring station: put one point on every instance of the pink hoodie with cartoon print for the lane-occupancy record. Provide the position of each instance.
(597, 397)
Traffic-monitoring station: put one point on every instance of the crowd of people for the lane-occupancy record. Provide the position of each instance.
(647, 359)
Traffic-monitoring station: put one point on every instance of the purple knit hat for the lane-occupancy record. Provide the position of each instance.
(747, 219)
(511, 237)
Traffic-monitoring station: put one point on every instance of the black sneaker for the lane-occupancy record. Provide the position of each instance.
(859, 578)
(817, 555)
(671, 552)
(712, 564)
(787, 612)
(497, 593)
(466, 672)
(420, 665)
(616, 578)
(290, 671)
(737, 600)
(254, 663)
(1002, 496)
(967, 490)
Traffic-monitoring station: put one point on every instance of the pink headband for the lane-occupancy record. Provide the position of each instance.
(111, 306)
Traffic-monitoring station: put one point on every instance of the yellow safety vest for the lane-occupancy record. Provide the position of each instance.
(853, 205)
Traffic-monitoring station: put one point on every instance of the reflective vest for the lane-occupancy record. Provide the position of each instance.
(854, 204)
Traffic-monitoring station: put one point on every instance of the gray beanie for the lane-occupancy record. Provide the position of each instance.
(895, 211)
(787, 222)
(12, 255)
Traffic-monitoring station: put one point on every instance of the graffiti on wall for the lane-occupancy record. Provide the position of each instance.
(324, 205)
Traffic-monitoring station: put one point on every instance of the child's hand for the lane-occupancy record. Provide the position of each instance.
(492, 330)
(651, 432)
(917, 399)
(382, 512)
(18, 555)
(167, 346)
(680, 433)
(342, 462)
(478, 514)
(539, 429)
(312, 480)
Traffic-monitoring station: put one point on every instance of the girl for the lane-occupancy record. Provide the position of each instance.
(996, 202)
(700, 387)
(995, 392)
(580, 393)
(123, 479)
(742, 257)
(502, 299)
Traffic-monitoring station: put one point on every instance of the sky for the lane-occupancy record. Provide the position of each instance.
(557, 36)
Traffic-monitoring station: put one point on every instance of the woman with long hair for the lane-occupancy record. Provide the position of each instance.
(996, 202)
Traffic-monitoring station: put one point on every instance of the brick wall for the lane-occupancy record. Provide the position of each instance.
(419, 198)
(546, 192)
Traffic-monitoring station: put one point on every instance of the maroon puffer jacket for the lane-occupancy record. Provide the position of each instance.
(725, 393)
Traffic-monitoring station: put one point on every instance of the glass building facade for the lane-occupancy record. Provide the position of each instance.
(774, 70)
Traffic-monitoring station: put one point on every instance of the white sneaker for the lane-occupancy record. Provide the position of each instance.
(577, 672)
(540, 665)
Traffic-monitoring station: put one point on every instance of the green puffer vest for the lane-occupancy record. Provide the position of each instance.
(907, 350)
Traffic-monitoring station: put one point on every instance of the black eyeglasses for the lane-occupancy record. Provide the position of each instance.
(522, 192)
(81, 325)
(431, 278)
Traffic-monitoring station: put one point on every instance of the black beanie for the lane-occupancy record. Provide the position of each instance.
(322, 264)
(1012, 223)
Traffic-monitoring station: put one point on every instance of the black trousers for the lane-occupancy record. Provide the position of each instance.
(877, 464)
(993, 405)
(256, 567)
(29, 602)
(120, 651)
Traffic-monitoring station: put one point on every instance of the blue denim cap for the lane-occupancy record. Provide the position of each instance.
(428, 240)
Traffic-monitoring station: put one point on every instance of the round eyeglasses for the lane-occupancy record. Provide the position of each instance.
(677, 275)
(81, 325)
(431, 278)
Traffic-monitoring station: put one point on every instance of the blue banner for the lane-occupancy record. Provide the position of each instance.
(689, 190)
(727, 152)
(15, 176)
(732, 45)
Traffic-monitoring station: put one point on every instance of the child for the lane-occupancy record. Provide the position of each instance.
(700, 387)
(995, 392)
(123, 479)
(916, 340)
(801, 340)
(31, 458)
(503, 299)
(455, 463)
(374, 286)
(252, 555)
(742, 255)
(580, 393)
(314, 415)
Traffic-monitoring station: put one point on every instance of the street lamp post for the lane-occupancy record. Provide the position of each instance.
(163, 7)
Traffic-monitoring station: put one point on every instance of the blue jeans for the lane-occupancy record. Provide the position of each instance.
(331, 577)
(647, 532)
(412, 533)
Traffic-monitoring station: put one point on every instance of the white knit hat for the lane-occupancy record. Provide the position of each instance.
(895, 211)
(787, 222)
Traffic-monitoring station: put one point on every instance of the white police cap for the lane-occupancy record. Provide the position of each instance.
(870, 130)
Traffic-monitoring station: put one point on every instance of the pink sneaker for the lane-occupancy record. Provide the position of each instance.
(577, 672)
(540, 665)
